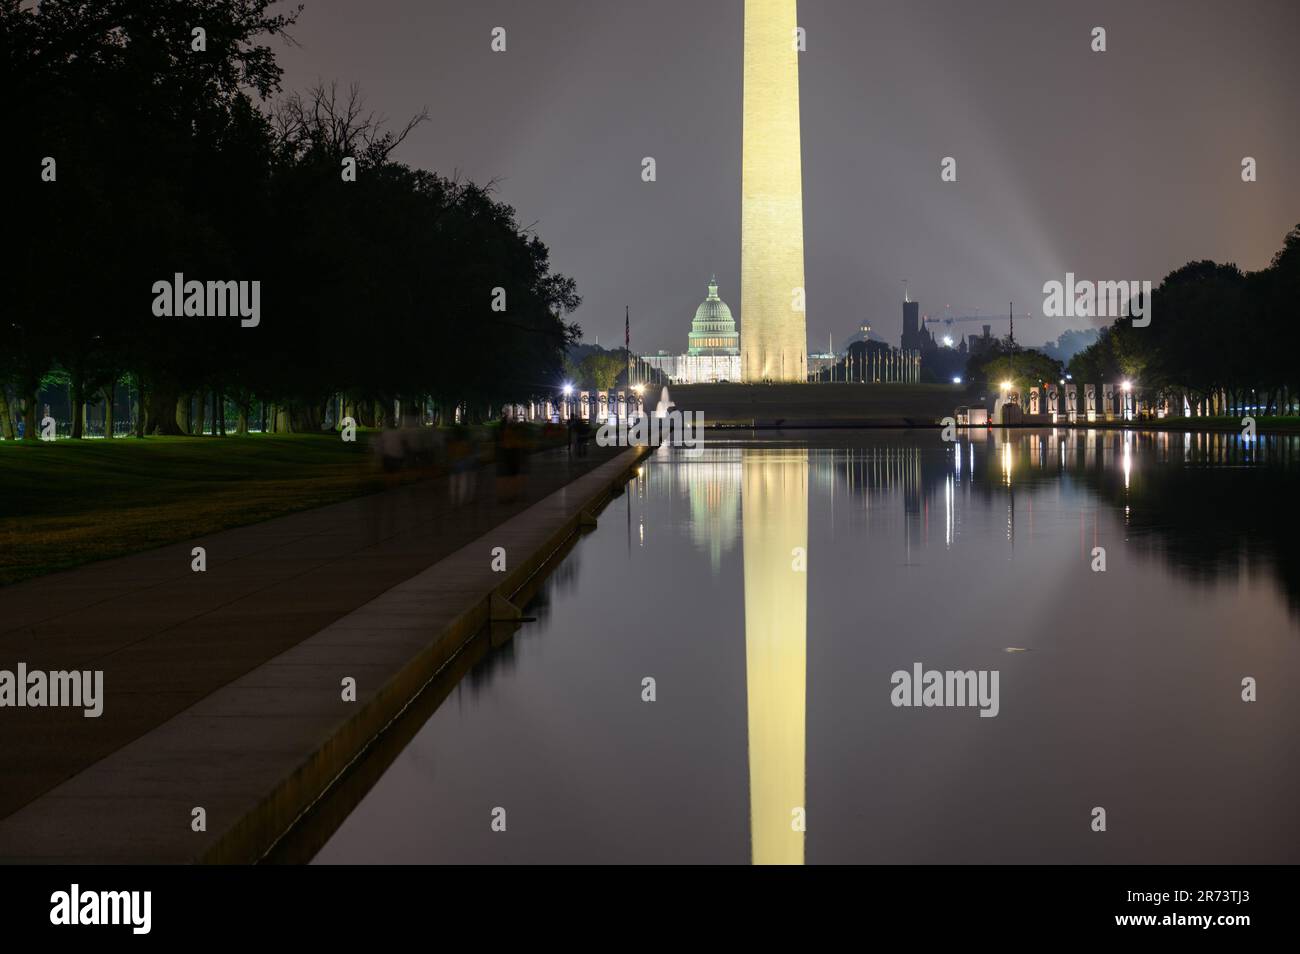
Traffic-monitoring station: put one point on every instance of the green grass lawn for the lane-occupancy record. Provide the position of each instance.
(70, 502)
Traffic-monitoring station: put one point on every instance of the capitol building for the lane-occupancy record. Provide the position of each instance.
(713, 349)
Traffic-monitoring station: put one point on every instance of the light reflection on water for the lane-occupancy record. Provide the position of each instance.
(773, 683)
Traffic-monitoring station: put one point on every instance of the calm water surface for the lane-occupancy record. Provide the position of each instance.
(1119, 689)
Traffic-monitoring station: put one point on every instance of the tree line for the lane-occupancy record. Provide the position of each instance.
(1221, 339)
(141, 150)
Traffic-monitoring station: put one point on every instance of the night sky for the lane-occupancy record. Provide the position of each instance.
(1115, 166)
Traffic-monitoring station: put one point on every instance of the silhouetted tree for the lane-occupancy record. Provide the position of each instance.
(175, 160)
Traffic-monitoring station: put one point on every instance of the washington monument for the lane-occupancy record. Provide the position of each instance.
(773, 337)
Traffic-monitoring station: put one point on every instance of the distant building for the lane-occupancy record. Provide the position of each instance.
(713, 332)
(915, 335)
(865, 357)
(661, 361)
(978, 344)
(822, 361)
(911, 325)
(713, 346)
(864, 334)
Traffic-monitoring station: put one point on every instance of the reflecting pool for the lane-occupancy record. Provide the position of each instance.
(711, 675)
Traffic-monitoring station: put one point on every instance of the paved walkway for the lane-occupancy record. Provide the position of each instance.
(167, 637)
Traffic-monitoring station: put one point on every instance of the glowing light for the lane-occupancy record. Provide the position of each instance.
(947, 340)
(956, 380)
(1006, 385)
(567, 389)
(1127, 385)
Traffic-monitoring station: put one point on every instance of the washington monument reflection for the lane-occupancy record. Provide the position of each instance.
(774, 524)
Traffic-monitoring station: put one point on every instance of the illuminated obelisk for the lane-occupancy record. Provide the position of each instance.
(774, 523)
(773, 337)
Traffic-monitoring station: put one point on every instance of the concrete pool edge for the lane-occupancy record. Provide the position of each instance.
(258, 752)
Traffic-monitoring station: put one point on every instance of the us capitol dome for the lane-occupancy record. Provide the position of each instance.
(714, 330)
(713, 346)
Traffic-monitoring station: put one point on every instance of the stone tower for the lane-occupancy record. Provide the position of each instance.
(773, 336)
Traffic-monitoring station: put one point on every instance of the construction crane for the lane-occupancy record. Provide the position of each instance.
(952, 319)
(948, 320)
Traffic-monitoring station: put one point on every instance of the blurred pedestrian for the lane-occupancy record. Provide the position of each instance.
(510, 460)
(584, 435)
(460, 464)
